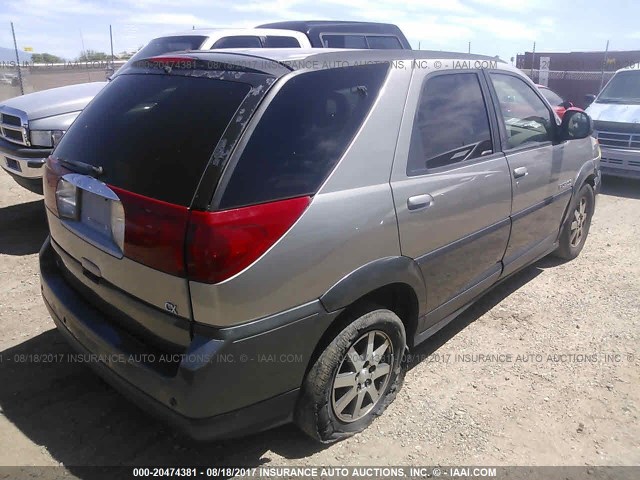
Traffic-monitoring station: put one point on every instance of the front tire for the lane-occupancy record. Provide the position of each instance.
(576, 227)
(354, 379)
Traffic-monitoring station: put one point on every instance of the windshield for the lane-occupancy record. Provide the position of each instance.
(624, 87)
(551, 96)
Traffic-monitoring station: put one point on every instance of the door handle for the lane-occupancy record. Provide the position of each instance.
(520, 172)
(418, 202)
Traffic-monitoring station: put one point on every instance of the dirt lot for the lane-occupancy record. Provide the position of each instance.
(565, 390)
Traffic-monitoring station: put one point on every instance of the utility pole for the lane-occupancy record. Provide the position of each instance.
(604, 63)
(15, 46)
(111, 40)
(533, 58)
(469, 47)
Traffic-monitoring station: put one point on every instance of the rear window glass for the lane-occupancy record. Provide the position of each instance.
(344, 41)
(303, 133)
(153, 134)
(281, 42)
(240, 41)
(159, 46)
(383, 42)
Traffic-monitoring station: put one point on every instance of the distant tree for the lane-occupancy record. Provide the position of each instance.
(125, 55)
(46, 58)
(92, 56)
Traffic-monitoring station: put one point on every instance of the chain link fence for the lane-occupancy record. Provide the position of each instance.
(86, 58)
(571, 85)
(37, 77)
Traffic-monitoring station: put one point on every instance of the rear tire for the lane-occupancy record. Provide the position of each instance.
(354, 379)
(576, 228)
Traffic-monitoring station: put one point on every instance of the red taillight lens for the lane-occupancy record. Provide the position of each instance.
(52, 173)
(154, 232)
(221, 244)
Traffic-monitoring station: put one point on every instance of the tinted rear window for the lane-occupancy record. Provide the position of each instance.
(158, 46)
(282, 42)
(383, 42)
(303, 133)
(344, 41)
(153, 134)
(244, 41)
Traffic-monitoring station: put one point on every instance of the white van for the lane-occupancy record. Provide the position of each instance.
(616, 115)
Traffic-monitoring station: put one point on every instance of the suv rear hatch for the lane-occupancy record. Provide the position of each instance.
(121, 186)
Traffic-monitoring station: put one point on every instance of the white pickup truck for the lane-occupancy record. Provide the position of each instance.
(31, 125)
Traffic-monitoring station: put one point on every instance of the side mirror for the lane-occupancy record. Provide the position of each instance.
(589, 99)
(108, 73)
(566, 104)
(575, 124)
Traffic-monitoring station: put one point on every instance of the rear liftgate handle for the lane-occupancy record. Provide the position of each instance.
(419, 202)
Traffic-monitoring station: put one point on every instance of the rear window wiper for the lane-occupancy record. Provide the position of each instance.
(81, 167)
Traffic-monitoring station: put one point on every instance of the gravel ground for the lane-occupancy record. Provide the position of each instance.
(542, 371)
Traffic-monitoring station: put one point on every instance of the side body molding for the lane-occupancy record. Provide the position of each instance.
(374, 275)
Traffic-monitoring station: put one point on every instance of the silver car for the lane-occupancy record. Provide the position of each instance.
(259, 237)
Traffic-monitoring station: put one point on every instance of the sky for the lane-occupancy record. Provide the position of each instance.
(494, 27)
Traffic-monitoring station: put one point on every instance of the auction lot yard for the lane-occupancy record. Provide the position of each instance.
(544, 370)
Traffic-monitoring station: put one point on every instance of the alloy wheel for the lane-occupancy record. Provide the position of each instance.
(578, 223)
(362, 377)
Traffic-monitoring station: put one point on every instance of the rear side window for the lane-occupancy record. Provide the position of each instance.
(281, 42)
(383, 42)
(153, 134)
(303, 133)
(344, 41)
(242, 41)
(451, 123)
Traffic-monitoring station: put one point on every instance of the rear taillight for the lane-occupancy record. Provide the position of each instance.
(221, 244)
(67, 199)
(154, 231)
(53, 171)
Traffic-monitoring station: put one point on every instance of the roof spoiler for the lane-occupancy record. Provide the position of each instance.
(214, 61)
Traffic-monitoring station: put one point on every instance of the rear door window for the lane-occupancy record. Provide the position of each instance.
(303, 133)
(241, 41)
(281, 42)
(451, 123)
(153, 134)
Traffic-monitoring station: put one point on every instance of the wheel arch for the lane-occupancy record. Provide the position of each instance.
(394, 283)
(586, 174)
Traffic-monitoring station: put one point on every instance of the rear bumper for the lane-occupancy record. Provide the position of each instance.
(228, 382)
